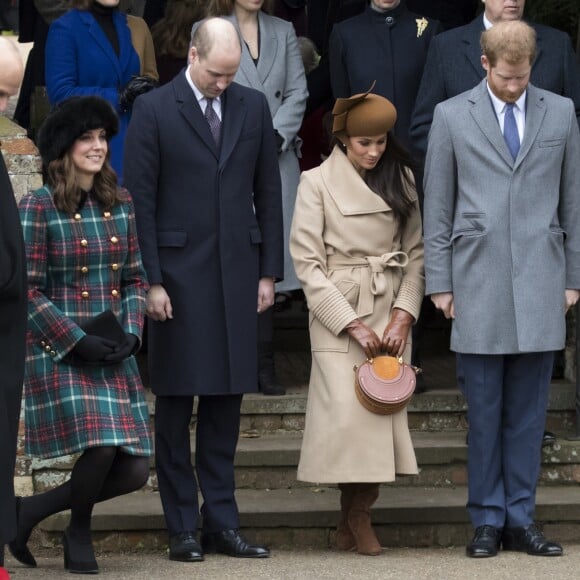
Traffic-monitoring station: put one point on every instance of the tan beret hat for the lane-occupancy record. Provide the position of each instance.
(363, 115)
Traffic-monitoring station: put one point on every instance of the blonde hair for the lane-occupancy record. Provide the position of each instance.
(512, 41)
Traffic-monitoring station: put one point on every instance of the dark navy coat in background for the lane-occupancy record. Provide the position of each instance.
(454, 66)
(200, 235)
(389, 47)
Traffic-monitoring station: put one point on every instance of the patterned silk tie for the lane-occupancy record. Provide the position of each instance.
(510, 131)
(215, 125)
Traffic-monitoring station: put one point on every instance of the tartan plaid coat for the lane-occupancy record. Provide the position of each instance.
(78, 266)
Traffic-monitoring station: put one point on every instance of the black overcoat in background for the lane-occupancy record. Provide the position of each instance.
(13, 314)
(210, 225)
(389, 48)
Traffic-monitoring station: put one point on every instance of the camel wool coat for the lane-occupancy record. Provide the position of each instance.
(354, 261)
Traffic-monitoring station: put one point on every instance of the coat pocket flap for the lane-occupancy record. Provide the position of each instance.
(171, 239)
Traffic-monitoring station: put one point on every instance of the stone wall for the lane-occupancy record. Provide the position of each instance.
(21, 157)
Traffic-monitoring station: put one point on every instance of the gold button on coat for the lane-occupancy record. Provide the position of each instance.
(114, 239)
(84, 269)
(107, 215)
(52, 353)
(115, 267)
(77, 216)
(115, 293)
(85, 294)
(84, 243)
(47, 348)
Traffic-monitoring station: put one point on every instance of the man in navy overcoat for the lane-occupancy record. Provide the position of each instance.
(453, 64)
(202, 166)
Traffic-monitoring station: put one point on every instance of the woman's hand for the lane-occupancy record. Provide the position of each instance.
(397, 332)
(366, 337)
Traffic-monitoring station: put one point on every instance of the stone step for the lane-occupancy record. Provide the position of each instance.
(439, 409)
(306, 518)
(269, 461)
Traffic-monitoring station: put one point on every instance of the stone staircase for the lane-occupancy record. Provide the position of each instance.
(423, 510)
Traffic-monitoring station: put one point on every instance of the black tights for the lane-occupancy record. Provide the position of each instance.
(99, 474)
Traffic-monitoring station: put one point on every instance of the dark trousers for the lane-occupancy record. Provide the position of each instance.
(507, 398)
(216, 437)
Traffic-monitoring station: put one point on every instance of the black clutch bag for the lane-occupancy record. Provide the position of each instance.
(104, 325)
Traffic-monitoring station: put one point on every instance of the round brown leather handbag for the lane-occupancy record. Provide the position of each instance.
(385, 384)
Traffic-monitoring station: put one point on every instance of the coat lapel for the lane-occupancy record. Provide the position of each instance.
(472, 47)
(268, 47)
(191, 111)
(233, 118)
(96, 32)
(535, 112)
(484, 115)
(347, 189)
(125, 42)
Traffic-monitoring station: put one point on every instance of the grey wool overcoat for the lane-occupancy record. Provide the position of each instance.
(354, 260)
(503, 235)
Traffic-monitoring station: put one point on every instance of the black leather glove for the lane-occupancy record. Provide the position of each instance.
(93, 348)
(128, 348)
(366, 337)
(135, 87)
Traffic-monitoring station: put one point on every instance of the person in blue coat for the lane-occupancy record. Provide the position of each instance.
(89, 51)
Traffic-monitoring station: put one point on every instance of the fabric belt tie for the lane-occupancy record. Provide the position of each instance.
(374, 282)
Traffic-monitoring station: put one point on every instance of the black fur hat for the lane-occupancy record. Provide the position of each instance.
(69, 120)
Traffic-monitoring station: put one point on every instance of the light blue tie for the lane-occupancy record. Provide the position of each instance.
(510, 131)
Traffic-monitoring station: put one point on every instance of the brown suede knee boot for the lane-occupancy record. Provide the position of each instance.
(344, 538)
(359, 519)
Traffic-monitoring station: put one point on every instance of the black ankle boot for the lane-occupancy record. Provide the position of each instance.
(79, 556)
(267, 379)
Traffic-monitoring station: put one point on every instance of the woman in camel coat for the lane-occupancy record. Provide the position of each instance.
(358, 252)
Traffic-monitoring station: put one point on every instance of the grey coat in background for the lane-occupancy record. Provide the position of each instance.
(279, 74)
(503, 236)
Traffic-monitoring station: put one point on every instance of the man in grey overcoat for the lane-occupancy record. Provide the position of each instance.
(203, 170)
(502, 259)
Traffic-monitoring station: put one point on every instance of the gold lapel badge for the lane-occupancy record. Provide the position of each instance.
(422, 24)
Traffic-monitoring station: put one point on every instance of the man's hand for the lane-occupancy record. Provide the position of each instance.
(265, 294)
(158, 304)
(572, 297)
(444, 301)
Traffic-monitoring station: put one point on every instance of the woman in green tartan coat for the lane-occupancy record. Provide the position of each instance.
(82, 391)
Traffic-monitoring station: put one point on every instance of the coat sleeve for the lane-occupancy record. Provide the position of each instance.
(62, 67)
(431, 92)
(308, 252)
(569, 206)
(141, 173)
(46, 322)
(288, 118)
(133, 280)
(412, 288)
(268, 200)
(440, 186)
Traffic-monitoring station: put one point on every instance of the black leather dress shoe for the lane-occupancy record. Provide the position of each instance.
(531, 540)
(183, 547)
(548, 439)
(485, 542)
(232, 543)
